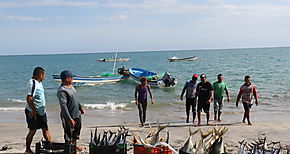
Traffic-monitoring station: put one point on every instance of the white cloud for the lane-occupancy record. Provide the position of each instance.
(47, 3)
(22, 18)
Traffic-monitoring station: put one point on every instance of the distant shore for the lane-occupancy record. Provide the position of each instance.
(13, 133)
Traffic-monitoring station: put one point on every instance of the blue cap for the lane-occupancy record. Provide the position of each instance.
(66, 74)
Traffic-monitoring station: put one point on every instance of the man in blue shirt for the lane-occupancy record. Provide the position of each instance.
(35, 109)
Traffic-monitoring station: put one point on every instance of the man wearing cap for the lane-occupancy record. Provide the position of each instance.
(35, 109)
(190, 88)
(219, 88)
(71, 109)
(204, 92)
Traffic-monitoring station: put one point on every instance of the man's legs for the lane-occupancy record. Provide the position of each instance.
(46, 134)
(198, 116)
(207, 118)
(219, 116)
(29, 138)
(187, 108)
(140, 108)
(144, 106)
(248, 117)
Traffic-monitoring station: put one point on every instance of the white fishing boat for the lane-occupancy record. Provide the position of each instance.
(174, 58)
(112, 59)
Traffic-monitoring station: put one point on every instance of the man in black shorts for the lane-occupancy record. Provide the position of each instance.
(204, 92)
(35, 109)
(71, 109)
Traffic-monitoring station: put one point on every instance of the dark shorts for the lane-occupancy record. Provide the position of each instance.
(203, 106)
(38, 123)
(72, 133)
(190, 102)
(247, 106)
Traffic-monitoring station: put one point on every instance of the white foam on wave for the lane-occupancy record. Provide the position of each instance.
(17, 100)
(12, 108)
(108, 106)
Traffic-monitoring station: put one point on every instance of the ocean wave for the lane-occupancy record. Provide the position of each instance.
(12, 108)
(17, 100)
(108, 106)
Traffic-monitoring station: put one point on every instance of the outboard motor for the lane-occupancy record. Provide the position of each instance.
(123, 71)
(168, 80)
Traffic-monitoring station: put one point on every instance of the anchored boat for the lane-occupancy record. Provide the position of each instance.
(173, 59)
(153, 79)
(95, 80)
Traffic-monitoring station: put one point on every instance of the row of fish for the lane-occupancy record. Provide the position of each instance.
(109, 138)
(210, 142)
(153, 140)
(260, 146)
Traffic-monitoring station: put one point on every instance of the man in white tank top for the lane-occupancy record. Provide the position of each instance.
(247, 91)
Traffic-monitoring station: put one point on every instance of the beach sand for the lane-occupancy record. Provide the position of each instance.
(13, 133)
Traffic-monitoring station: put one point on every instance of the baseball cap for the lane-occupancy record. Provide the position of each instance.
(66, 74)
(202, 76)
(195, 75)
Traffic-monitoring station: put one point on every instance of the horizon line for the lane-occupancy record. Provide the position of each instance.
(162, 50)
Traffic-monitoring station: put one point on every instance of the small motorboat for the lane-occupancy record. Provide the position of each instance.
(113, 59)
(95, 80)
(153, 79)
(174, 58)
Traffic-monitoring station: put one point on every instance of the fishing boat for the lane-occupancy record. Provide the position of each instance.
(173, 59)
(113, 60)
(153, 79)
(95, 80)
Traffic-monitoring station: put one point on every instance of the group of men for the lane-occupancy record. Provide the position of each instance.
(197, 94)
(35, 111)
(203, 93)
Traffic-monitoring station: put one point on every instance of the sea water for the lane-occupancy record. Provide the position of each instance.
(269, 69)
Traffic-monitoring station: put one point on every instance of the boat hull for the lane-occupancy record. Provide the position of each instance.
(91, 80)
(182, 59)
(113, 60)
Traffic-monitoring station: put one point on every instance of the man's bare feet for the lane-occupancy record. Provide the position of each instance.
(79, 148)
(249, 123)
(219, 120)
(142, 124)
(244, 121)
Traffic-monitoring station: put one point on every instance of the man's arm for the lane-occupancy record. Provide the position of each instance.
(183, 91)
(136, 98)
(30, 103)
(239, 96)
(227, 93)
(63, 105)
(81, 109)
(151, 95)
(255, 95)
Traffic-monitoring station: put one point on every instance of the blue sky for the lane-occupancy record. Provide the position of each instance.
(82, 26)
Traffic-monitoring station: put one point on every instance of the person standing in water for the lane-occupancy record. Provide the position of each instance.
(190, 88)
(219, 88)
(247, 91)
(141, 98)
(35, 109)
